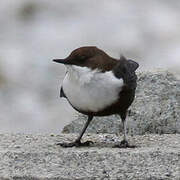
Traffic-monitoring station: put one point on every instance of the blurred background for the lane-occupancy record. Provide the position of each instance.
(33, 32)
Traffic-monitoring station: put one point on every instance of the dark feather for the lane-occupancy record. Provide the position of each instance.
(133, 65)
(62, 93)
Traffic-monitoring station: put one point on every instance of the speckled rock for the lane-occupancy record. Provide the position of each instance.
(156, 108)
(24, 156)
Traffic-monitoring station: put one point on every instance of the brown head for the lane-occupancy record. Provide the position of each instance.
(89, 56)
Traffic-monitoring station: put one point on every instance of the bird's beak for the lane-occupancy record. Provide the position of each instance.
(62, 61)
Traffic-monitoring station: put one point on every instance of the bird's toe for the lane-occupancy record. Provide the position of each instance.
(76, 144)
(124, 144)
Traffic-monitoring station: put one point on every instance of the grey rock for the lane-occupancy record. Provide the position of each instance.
(156, 109)
(38, 157)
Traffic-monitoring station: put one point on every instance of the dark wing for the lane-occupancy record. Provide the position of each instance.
(62, 93)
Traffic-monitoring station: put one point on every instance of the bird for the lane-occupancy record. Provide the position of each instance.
(96, 84)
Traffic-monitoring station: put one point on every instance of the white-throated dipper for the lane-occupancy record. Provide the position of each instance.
(96, 84)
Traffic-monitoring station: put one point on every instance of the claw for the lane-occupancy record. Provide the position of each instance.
(66, 144)
(76, 144)
(124, 144)
(87, 143)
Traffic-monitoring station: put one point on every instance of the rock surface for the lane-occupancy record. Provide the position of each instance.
(24, 156)
(156, 109)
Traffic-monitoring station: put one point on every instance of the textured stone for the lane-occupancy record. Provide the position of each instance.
(25, 156)
(156, 109)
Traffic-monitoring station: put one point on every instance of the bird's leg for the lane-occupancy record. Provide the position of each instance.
(78, 142)
(124, 143)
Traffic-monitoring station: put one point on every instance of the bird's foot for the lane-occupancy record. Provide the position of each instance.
(76, 144)
(124, 144)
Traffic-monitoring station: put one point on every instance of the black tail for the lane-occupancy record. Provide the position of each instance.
(133, 65)
(125, 69)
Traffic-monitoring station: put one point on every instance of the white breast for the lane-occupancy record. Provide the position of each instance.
(91, 90)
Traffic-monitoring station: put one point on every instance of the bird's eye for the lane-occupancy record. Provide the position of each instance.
(82, 58)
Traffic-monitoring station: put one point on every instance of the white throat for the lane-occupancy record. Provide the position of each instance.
(91, 90)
